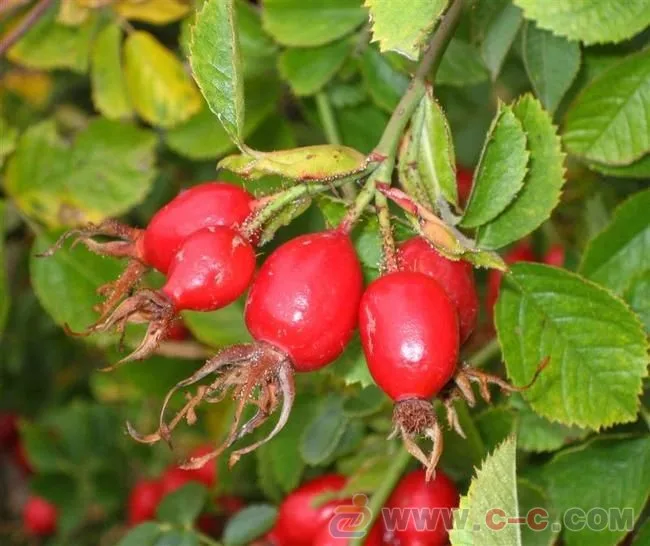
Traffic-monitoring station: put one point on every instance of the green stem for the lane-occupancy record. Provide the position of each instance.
(332, 135)
(387, 147)
(430, 61)
(388, 241)
(485, 354)
(379, 498)
(327, 119)
(205, 539)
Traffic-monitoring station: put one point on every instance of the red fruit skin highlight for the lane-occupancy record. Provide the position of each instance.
(144, 500)
(205, 205)
(212, 269)
(39, 516)
(414, 492)
(409, 333)
(456, 277)
(305, 298)
(298, 521)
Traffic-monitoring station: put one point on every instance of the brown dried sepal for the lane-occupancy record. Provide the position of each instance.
(125, 247)
(257, 374)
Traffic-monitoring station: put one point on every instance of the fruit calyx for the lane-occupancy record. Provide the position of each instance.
(256, 373)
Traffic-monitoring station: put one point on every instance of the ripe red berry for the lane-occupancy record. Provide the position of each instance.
(298, 520)
(521, 252)
(555, 255)
(8, 430)
(174, 478)
(409, 333)
(20, 457)
(143, 500)
(206, 205)
(456, 277)
(213, 268)
(464, 178)
(39, 516)
(229, 504)
(178, 331)
(305, 297)
(207, 474)
(412, 493)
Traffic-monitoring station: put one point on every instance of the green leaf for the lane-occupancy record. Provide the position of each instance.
(284, 451)
(552, 64)
(622, 250)
(642, 537)
(351, 366)
(434, 152)
(219, 328)
(500, 34)
(637, 296)
(321, 437)
(544, 180)
(308, 163)
(361, 126)
(108, 84)
(283, 218)
(111, 167)
(494, 425)
(66, 282)
(307, 70)
(178, 538)
(4, 288)
(145, 534)
(49, 45)
(638, 169)
(203, 137)
(619, 479)
(161, 92)
(8, 139)
(589, 21)
(608, 123)
(366, 402)
(493, 487)
(501, 171)
(306, 24)
(183, 506)
(461, 65)
(537, 434)
(216, 64)
(404, 27)
(532, 497)
(596, 348)
(258, 50)
(249, 524)
(383, 82)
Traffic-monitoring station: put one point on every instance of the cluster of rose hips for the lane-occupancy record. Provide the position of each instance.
(303, 306)
(304, 521)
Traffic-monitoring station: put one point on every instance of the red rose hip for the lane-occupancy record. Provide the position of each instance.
(39, 516)
(143, 500)
(456, 277)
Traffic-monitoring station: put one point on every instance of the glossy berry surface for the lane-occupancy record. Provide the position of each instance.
(212, 269)
(143, 500)
(456, 277)
(409, 333)
(205, 205)
(521, 252)
(305, 298)
(39, 516)
(414, 492)
(298, 521)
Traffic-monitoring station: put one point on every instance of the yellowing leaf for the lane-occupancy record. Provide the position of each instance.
(108, 85)
(71, 13)
(321, 162)
(161, 91)
(33, 87)
(157, 12)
